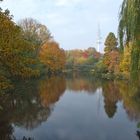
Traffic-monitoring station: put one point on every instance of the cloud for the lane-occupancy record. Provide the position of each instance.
(61, 2)
(73, 23)
(66, 2)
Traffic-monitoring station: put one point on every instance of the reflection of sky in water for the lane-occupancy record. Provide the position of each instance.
(79, 115)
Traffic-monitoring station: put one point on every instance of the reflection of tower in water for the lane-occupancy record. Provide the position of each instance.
(99, 93)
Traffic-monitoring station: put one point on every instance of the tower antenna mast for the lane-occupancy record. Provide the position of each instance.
(98, 38)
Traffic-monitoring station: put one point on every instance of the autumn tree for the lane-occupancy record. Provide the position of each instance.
(15, 60)
(37, 34)
(52, 56)
(126, 60)
(34, 32)
(111, 56)
(82, 60)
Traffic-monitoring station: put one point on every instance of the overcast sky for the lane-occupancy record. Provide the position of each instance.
(73, 23)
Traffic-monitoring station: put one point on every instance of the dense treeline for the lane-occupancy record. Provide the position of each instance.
(109, 65)
(112, 64)
(82, 60)
(26, 50)
(129, 30)
(15, 52)
(52, 56)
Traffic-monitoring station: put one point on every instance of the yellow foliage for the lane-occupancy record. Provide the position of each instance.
(15, 52)
(52, 56)
(126, 60)
(51, 89)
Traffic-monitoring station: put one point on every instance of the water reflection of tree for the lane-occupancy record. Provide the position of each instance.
(51, 90)
(113, 92)
(24, 106)
(6, 132)
(6, 129)
(27, 109)
(130, 93)
(111, 97)
(85, 83)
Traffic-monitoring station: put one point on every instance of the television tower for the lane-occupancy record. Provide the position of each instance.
(99, 38)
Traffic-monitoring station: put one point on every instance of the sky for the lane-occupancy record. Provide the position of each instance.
(73, 23)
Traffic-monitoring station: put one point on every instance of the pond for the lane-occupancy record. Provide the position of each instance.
(71, 108)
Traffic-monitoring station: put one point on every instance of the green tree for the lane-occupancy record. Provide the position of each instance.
(110, 42)
(129, 30)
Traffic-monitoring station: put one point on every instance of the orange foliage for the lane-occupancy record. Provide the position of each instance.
(88, 56)
(52, 56)
(111, 60)
(51, 90)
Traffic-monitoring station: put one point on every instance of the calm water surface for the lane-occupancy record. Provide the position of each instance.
(71, 108)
